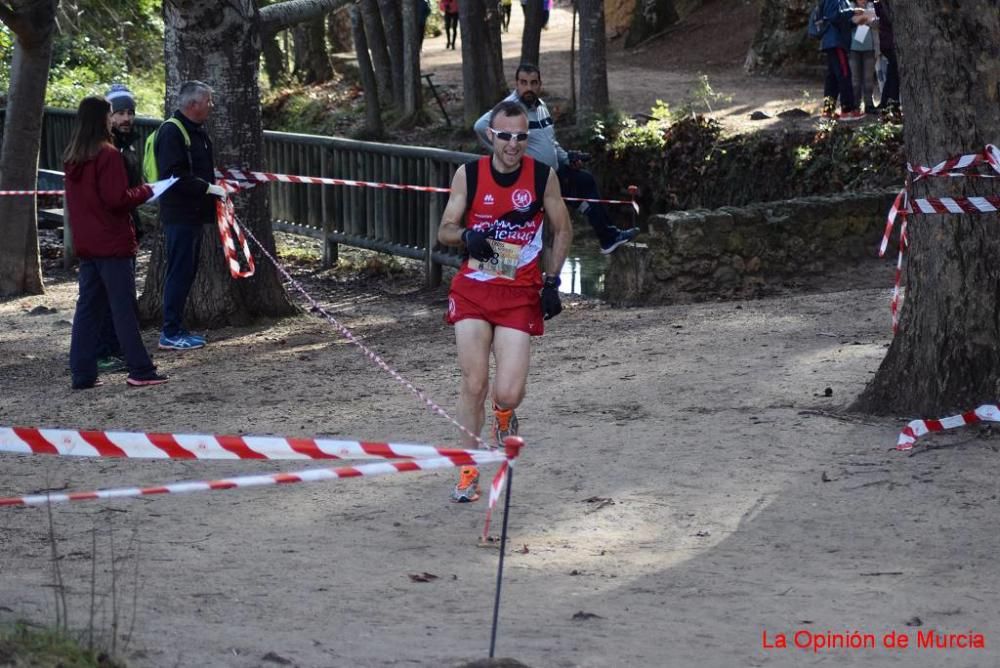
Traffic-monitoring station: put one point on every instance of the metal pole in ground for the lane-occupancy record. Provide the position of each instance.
(512, 446)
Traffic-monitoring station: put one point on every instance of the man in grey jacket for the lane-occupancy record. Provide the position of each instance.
(543, 146)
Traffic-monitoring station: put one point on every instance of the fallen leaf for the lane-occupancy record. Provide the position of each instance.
(422, 577)
(586, 615)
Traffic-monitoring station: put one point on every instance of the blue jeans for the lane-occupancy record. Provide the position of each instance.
(183, 245)
(581, 183)
(106, 283)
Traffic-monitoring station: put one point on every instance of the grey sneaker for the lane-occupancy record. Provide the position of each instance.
(623, 237)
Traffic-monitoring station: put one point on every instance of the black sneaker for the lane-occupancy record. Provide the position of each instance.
(87, 384)
(151, 378)
(623, 237)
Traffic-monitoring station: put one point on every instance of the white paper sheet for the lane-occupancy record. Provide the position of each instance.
(160, 187)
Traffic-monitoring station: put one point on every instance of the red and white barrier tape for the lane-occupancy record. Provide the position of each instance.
(512, 449)
(140, 445)
(917, 428)
(988, 204)
(32, 192)
(903, 206)
(266, 177)
(496, 487)
(225, 217)
(308, 475)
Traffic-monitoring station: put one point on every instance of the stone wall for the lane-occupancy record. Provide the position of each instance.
(737, 252)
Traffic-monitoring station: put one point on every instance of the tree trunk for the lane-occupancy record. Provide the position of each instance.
(375, 35)
(392, 22)
(219, 43)
(274, 61)
(945, 356)
(320, 70)
(373, 112)
(651, 18)
(782, 42)
(32, 24)
(531, 34)
(300, 53)
(482, 59)
(338, 32)
(412, 99)
(593, 63)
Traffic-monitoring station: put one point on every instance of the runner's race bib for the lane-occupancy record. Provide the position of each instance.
(504, 264)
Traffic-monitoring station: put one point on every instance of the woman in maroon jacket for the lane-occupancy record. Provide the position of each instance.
(99, 201)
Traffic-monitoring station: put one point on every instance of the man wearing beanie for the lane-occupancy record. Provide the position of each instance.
(122, 116)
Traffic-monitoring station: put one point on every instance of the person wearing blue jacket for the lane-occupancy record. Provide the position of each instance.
(836, 44)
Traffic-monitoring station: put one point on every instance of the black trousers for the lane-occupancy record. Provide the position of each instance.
(104, 283)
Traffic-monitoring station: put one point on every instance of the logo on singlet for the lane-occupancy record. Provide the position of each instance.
(521, 199)
(488, 199)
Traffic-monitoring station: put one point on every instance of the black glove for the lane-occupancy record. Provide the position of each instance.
(478, 245)
(551, 303)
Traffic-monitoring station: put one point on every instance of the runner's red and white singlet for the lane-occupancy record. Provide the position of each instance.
(512, 218)
(503, 291)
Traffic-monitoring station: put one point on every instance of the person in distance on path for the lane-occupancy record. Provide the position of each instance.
(500, 297)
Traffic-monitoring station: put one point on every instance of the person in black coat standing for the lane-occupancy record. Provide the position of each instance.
(183, 150)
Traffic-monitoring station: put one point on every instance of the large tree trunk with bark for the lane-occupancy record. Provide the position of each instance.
(593, 100)
(946, 356)
(33, 24)
(338, 31)
(412, 98)
(373, 112)
(220, 43)
(274, 61)
(319, 68)
(531, 33)
(782, 43)
(483, 82)
(392, 23)
(375, 35)
(651, 18)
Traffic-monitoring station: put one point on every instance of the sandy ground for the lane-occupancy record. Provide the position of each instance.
(687, 487)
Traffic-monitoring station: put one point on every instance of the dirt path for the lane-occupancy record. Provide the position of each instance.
(686, 488)
(713, 42)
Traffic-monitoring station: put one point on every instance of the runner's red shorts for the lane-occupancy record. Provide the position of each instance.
(502, 306)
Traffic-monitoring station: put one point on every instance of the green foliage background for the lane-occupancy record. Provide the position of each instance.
(97, 43)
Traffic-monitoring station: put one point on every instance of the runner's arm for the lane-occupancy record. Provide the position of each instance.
(451, 228)
(557, 216)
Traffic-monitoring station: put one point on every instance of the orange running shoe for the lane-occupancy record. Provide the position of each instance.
(504, 424)
(467, 489)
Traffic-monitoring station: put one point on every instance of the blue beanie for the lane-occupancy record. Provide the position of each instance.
(120, 98)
